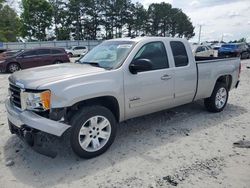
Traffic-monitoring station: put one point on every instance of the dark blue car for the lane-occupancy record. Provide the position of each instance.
(234, 50)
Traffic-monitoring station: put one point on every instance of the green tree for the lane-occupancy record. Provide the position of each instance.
(167, 21)
(9, 25)
(60, 19)
(36, 17)
(92, 18)
(1, 3)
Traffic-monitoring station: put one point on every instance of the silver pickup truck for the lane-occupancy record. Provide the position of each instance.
(117, 80)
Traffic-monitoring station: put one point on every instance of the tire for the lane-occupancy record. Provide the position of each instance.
(70, 54)
(212, 103)
(57, 62)
(13, 67)
(244, 55)
(87, 138)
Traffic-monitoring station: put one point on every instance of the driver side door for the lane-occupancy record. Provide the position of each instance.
(152, 90)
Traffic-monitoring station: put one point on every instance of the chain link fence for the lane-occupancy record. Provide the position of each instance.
(62, 44)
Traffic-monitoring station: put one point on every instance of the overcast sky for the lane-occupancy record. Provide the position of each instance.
(230, 18)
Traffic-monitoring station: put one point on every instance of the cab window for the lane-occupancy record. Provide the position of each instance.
(156, 53)
(179, 53)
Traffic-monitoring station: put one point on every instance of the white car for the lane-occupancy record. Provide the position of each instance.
(203, 51)
(77, 51)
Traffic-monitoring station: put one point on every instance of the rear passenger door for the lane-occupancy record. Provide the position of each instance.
(44, 57)
(152, 90)
(185, 73)
(28, 59)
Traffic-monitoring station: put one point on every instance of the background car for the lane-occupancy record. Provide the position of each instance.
(77, 51)
(2, 50)
(234, 50)
(202, 51)
(33, 58)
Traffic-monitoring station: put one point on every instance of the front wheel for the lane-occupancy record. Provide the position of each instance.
(218, 99)
(13, 67)
(93, 131)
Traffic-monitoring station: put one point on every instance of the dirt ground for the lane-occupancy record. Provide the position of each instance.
(184, 147)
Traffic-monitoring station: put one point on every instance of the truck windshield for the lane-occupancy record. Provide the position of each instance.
(109, 54)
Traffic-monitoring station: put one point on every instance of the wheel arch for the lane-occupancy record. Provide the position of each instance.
(109, 102)
(226, 79)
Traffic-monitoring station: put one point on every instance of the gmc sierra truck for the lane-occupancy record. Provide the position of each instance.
(117, 80)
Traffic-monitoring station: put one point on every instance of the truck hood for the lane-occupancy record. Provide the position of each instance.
(35, 77)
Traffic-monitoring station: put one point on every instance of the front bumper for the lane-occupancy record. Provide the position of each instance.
(34, 121)
(2, 67)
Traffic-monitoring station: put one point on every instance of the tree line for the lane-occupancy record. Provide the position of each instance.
(90, 19)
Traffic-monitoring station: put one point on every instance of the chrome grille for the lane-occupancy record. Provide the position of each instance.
(15, 97)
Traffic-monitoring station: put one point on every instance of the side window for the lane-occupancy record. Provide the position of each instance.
(179, 53)
(156, 53)
(29, 53)
(81, 47)
(43, 51)
(53, 51)
(199, 49)
(204, 48)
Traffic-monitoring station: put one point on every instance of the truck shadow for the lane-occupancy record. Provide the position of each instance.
(135, 138)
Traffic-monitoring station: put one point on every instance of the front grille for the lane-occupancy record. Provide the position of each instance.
(15, 97)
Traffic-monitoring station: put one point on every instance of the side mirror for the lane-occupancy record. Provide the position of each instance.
(140, 65)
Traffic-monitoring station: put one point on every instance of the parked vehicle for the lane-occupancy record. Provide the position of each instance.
(202, 51)
(2, 50)
(117, 80)
(33, 58)
(234, 50)
(77, 51)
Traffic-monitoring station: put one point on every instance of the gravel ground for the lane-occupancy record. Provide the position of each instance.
(183, 147)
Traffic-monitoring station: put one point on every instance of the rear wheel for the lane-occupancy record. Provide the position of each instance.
(57, 62)
(218, 99)
(13, 67)
(70, 54)
(93, 131)
(244, 55)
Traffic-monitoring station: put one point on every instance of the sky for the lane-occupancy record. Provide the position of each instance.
(229, 19)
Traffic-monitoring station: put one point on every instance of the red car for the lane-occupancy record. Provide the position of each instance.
(33, 58)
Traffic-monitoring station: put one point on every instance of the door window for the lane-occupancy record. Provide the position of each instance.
(43, 52)
(29, 53)
(54, 51)
(80, 48)
(156, 53)
(199, 49)
(179, 53)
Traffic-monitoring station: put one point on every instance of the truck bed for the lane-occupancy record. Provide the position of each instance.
(209, 69)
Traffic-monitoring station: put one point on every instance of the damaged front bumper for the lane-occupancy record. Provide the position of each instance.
(33, 120)
(26, 124)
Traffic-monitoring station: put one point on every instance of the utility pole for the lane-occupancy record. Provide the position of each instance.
(222, 37)
(199, 40)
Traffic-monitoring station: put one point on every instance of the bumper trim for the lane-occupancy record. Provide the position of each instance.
(31, 119)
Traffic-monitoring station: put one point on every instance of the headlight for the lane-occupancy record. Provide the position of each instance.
(36, 101)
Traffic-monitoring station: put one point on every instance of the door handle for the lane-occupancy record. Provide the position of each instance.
(166, 77)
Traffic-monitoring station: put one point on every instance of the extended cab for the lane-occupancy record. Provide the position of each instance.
(117, 80)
